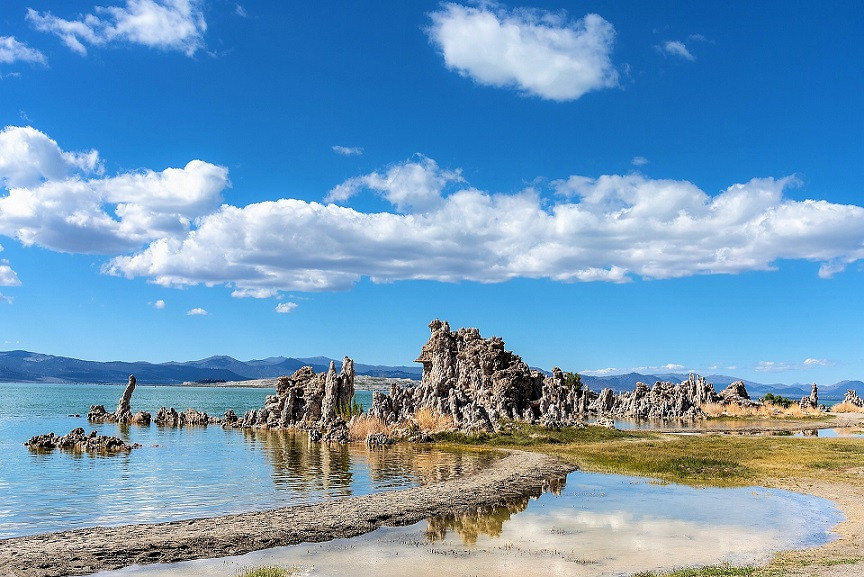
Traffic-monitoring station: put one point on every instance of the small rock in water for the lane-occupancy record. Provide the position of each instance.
(78, 441)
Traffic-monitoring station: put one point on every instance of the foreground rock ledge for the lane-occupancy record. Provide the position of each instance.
(86, 551)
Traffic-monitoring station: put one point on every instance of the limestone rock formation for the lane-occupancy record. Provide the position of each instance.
(811, 402)
(479, 383)
(308, 401)
(192, 417)
(852, 398)
(78, 441)
(123, 414)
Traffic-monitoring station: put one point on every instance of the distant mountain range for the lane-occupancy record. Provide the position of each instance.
(619, 383)
(24, 366)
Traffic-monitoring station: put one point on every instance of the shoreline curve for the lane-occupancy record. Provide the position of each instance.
(89, 550)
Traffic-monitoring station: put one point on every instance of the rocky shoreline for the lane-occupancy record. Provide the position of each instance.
(83, 551)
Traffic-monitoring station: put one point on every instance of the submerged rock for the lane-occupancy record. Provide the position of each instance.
(78, 441)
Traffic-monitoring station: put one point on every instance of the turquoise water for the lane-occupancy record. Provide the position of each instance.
(180, 473)
(597, 525)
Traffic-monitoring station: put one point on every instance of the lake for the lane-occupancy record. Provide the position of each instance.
(181, 473)
(595, 525)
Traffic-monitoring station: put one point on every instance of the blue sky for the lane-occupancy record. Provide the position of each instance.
(607, 186)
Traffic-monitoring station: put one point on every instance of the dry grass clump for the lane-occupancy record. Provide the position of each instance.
(767, 409)
(846, 407)
(361, 427)
(431, 421)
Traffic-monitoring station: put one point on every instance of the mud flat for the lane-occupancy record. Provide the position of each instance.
(86, 551)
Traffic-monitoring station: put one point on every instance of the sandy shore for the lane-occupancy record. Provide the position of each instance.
(90, 550)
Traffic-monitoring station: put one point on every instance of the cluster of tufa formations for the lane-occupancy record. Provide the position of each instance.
(470, 383)
(479, 384)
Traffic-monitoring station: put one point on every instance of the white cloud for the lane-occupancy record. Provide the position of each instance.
(409, 185)
(170, 228)
(661, 369)
(8, 277)
(7, 300)
(162, 24)
(285, 308)
(197, 312)
(639, 161)
(676, 48)
(53, 200)
(348, 150)
(240, 11)
(11, 50)
(159, 305)
(610, 228)
(782, 367)
(541, 53)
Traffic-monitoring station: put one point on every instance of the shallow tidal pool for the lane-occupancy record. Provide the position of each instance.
(595, 525)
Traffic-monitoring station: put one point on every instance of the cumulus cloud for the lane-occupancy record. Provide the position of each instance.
(197, 312)
(348, 150)
(676, 48)
(163, 24)
(169, 227)
(610, 228)
(782, 367)
(159, 305)
(60, 200)
(410, 185)
(8, 277)
(11, 50)
(285, 308)
(540, 53)
(639, 161)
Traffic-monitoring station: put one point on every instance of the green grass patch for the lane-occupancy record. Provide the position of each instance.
(268, 572)
(517, 434)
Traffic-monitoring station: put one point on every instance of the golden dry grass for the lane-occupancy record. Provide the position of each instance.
(431, 421)
(361, 427)
(766, 410)
(846, 407)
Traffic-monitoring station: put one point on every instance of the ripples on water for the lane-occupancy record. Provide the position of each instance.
(180, 473)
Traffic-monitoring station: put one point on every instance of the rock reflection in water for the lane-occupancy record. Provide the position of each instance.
(600, 525)
(338, 470)
(484, 520)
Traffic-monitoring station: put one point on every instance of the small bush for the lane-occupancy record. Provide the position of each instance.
(846, 407)
(362, 426)
(430, 421)
(777, 400)
(352, 408)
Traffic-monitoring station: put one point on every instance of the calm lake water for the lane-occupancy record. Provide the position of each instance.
(185, 472)
(597, 525)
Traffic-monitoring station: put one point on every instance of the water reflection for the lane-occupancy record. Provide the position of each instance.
(483, 521)
(599, 525)
(305, 467)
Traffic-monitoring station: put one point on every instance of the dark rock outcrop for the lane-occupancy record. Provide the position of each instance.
(78, 441)
(192, 417)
